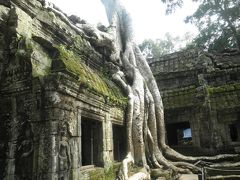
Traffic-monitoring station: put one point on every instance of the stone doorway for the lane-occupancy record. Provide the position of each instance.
(234, 132)
(119, 142)
(179, 134)
(92, 142)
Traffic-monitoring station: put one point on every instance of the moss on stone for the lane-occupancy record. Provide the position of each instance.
(179, 97)
(24, 46)
(110, 173)
(97, 174)
(102, 174)
(223, 88)
(89, 78)
(79, 42)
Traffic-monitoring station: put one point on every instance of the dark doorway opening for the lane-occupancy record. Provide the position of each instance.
(233, 77)
(119, 142)
(179, 134)
(92, 142)
(234, 134)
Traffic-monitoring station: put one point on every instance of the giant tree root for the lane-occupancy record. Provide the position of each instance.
(231, 177)
(173, 155)
(144, 116)
(125, 174)
(226, 164)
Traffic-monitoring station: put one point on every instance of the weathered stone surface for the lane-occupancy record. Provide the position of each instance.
(160, 174)
(200, 91)
(57, 108)
(188, 177)
(5, 3)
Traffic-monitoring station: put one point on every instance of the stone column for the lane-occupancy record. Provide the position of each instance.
(80, 136)
(76, 149)
(12, 143)
(49, 149)
(53, 148)
(195, 126)
(107, 142)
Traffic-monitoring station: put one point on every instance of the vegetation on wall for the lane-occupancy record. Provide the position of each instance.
(88, 78)
(223, 88)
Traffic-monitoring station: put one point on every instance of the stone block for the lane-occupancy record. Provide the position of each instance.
(237, 149)
(20, 22)
(4, 12)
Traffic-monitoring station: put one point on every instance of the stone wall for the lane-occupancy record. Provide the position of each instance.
(51, 83)
(202, 90)
(59, 110)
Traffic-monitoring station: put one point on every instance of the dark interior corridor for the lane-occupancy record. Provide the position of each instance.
(92, 142)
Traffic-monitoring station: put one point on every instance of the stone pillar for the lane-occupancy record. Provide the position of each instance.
(107, 142)
(216, 138)
(12, 143)
(194, 124)
(76, 148)
(49, 144)
(53, 148)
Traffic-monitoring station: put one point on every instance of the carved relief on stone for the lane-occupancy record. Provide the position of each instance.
(64, 154)
(19, 66)
(217, 140)
(24, 163)
(73, 124)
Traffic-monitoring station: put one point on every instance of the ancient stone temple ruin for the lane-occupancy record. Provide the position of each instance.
(62, 117)
(58, 110)
(201, 98)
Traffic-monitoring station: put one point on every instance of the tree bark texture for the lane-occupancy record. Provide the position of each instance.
(146, 146)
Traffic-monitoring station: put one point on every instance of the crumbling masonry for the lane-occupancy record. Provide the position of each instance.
(200, 91)
(61, 116)
(57, 107)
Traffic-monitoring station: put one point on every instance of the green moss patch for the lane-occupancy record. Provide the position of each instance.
(89, 78)
(223, 88)
(179, 97)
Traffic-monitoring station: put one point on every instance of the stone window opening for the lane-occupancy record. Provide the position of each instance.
(119, 143)
(92, 142)
(234, 131)
(179, 134)
(233, 77)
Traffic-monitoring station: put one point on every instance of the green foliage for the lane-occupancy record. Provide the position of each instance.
(218, 22)
(169, 44)
(110, 173)
(88, 78)
(159, 47)
(172, 5)
(103, 174)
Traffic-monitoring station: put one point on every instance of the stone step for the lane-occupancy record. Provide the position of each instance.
(188, 177)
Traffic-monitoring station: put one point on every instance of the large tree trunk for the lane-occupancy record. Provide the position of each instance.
(144, 117)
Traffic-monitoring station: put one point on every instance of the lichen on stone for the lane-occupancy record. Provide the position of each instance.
(223, 88)
(179, 97)
(91, 80)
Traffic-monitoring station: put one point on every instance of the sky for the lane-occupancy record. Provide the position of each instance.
(149, 19)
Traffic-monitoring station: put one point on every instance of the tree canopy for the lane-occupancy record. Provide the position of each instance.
(159, 47)
(218, 22)
(166, 45)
